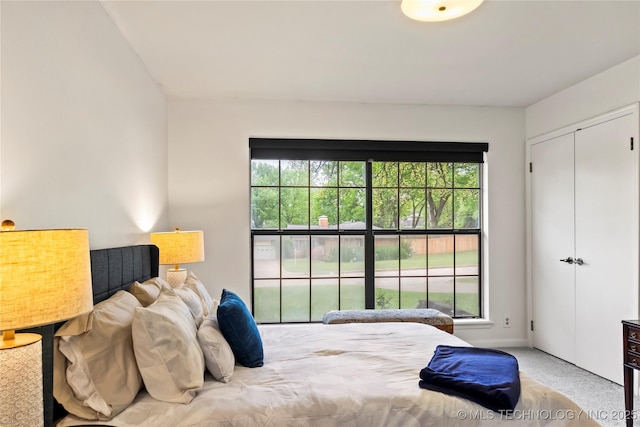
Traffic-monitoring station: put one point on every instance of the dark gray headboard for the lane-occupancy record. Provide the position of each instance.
(116, 268)
(112, 269)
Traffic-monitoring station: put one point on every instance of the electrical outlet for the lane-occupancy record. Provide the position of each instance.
(507, 322)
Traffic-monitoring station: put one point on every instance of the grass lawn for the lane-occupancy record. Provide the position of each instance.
(325, 298)
(300, 305)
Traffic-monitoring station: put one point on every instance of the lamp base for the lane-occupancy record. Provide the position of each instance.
(11, 340)
(21, 384)
(176, 277)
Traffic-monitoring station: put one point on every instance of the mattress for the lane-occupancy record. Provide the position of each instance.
(358, 374)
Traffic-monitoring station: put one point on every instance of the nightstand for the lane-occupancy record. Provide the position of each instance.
(631, 343)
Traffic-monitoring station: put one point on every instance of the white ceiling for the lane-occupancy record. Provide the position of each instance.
(505, 53)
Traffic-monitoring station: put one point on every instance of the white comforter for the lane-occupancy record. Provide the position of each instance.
(361, 374)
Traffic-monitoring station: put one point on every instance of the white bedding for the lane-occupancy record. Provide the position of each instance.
(360, 374)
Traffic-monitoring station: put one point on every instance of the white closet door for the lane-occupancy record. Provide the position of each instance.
(552, 240)
(606, 201)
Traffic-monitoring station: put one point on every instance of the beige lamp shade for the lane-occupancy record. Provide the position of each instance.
(179, 247)
(45, 277)
(437, 10)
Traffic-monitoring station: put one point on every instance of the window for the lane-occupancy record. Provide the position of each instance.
(364, 224)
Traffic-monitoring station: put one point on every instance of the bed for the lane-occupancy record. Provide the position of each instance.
(355, 374)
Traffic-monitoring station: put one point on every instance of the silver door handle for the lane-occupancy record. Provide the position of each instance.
(579, 261)
(568, 260)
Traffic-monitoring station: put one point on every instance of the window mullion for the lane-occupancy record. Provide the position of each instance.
(309, 245)
(338, 221)
(453, 227)
(369, 243)
(397, 221)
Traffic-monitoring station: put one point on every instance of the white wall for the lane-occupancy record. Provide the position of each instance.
(614, 88)
(209, 182)
(84, 127)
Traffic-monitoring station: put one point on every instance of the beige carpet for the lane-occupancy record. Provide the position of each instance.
(602, 398)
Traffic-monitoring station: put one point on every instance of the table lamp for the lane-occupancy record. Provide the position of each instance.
(45, 277)
(179, 247)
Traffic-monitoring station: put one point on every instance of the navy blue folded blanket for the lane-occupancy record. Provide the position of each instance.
(486, 376)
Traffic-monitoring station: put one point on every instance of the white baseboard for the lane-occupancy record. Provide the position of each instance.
(496, 343)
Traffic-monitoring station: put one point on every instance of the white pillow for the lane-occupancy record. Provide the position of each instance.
(168, 354)
(196, 285)
(218, 355)
(192, 300)
(95, 370)
(148, 291)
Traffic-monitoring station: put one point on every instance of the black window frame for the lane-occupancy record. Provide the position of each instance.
(371, 151)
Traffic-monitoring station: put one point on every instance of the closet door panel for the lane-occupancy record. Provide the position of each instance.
(606, 233)
(552, 234)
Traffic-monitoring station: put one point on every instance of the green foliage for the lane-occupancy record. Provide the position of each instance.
(347, 254)
(264, 207)
(404, 194)
(323, 202)
(384, 253)
(265, 173)
(390, 252)
(406, 250)
(264, 201)
(352, 205)
(287, 251)
(383, 301)
(294, 173)
(352, 174)
(385, 194)
(293, 206)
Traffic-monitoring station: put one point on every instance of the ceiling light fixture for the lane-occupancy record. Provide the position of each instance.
(437, 10)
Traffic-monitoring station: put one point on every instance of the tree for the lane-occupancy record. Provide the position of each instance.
(294, 194)
(467, 195)
(288, 192)
(264, 193)
(340, 191)
(385, 194)
(412, 194)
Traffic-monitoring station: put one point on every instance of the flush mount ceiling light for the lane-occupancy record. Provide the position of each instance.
(437, 10)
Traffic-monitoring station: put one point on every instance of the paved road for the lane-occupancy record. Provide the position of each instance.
(440, 279)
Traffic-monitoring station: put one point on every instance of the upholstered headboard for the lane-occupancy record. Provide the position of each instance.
(112, 269)
(116, 268)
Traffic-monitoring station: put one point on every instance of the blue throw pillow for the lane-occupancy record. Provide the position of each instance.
(240, 330)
